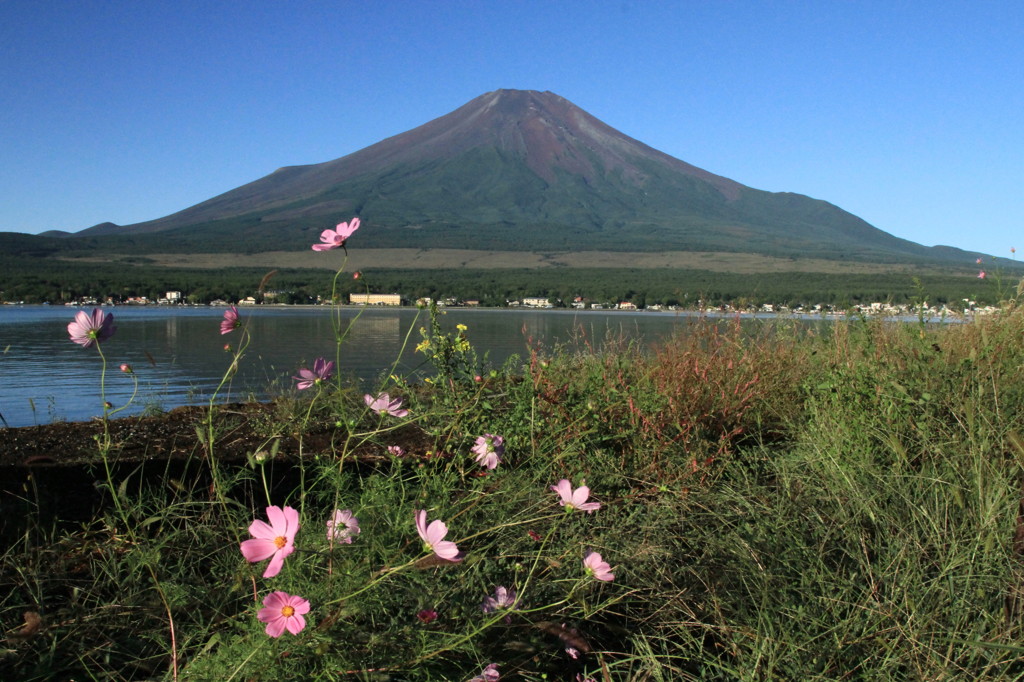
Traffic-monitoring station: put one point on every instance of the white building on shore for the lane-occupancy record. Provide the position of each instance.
(375, 299)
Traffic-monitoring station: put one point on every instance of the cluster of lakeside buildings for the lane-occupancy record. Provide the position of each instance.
(579, 303)
(969, 307)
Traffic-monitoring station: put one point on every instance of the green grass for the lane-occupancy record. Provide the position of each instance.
(788, 503)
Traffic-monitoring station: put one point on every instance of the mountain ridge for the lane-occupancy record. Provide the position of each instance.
(521, 170)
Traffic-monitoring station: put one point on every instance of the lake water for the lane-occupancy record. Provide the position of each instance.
(178, 353)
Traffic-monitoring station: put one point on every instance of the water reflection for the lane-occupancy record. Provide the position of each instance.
(179, 358)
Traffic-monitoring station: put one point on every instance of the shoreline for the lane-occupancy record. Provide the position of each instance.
(835, 315)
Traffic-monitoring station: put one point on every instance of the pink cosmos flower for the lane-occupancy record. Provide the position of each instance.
(981, 275)
(396, 450)
(333, 239)
(597, 567)
(427, 616)
(322, 371)
(126, 368)
(489, 449)
(276, 540)
(978, 261)
(575, 499)
(503, 599)
(573, 652)
(433, 537)
(88, 329)
(231, 322)
(488, 674)
(384, 404)
(283, 611)
(342, 527)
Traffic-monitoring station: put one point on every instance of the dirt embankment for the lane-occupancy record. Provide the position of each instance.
(242, 429)
(54, 474)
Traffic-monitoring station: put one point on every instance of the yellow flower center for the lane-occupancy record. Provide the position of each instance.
(280, 541)
(288, 611)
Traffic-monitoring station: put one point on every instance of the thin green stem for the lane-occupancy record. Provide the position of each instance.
(381, 575)
(245, 660)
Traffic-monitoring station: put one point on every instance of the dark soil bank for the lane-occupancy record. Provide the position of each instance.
(137, 439)
(55, 474)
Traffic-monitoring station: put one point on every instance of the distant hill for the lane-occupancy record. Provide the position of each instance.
(515, 170)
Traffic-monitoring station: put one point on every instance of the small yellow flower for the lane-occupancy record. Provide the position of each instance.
(461, 327)
(423, 346)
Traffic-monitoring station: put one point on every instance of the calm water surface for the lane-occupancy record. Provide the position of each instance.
(178, 353)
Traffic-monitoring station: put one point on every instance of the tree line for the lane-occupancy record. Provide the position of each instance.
(55, 282)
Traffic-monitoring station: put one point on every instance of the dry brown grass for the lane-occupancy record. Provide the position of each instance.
(433, 259)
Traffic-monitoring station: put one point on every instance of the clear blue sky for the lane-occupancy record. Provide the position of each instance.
(907, 114)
